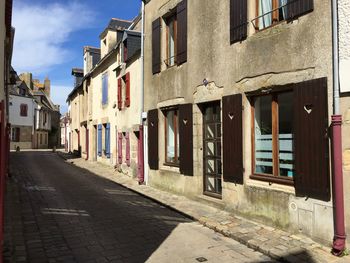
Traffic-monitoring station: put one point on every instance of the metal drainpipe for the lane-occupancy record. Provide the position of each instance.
(143, 144)
(338, 192)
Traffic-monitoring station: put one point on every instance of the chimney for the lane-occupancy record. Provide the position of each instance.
(47, 87)
(28, 79)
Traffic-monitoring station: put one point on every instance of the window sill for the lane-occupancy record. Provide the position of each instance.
(272, 179)
(170, 168)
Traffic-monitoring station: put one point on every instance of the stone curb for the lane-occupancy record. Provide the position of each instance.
(272, 245)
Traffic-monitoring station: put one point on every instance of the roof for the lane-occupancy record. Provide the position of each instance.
(77, 71)
(116, 24)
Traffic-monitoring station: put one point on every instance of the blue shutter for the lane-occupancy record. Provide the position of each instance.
(107, 140)
(99, 140)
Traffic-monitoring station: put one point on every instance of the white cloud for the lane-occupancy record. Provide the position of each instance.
(59, 95)
(42, 31)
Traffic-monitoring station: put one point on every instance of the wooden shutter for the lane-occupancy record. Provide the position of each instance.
(186, 139)
(127, 148)
(181, 32)
(298, 8)
(311, 139)
(156, 63)
(152, 122)
(238, 20)
(120, 147)
(119, 93)
(127, 89)
(232, 139)
(99, 140)
(107, 140)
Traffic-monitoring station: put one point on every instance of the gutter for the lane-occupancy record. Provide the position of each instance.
(338, 247)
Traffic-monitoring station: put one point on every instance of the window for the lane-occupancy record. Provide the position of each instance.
(273, 136)
(105, 89)
(24, 110)
(171, 38)
(172, 150)
(15, 133)
(270, 12)
(125, 51)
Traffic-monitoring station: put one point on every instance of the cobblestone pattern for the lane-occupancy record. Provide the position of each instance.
(57, 212)
(270, 241)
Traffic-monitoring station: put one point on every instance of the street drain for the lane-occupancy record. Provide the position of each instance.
(201, 259)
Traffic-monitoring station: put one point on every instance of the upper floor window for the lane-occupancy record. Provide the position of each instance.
(171, 38)
(24, 110)
(173, 41)
(270, 12)
(105, 89)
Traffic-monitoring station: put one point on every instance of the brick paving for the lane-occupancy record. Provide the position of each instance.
(277, 244)
(58, 212)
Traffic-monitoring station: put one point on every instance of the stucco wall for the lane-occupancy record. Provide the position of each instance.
(285, 53)
(14, 111)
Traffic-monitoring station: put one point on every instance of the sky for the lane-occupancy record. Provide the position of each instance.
(50, 36)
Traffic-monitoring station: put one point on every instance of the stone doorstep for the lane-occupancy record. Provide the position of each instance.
(277, 244)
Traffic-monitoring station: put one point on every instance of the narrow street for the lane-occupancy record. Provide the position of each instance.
(56, 212)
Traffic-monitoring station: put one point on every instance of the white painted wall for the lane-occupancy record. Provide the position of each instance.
(14, 111)
(344, 44)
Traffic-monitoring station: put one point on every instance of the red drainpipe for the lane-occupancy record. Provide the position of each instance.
(140, 156)
(338, 192)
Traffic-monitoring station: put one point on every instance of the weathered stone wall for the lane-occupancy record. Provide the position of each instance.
(285, 53)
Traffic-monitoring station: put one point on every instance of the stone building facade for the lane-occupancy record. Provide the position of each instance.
(222, 80)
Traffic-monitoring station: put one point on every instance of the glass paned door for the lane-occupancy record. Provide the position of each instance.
(212, 150)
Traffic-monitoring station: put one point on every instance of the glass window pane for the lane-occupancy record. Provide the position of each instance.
(263, 135)
(170, 136)
(285, 140)
(265, 7)
(171, 43)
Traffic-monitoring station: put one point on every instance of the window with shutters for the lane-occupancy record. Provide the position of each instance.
(171, 124)
(171, 40)
(272, 137)
(24, 110)
(270, 12)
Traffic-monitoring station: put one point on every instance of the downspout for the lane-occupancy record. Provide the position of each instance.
(338, 192)
(141, 134)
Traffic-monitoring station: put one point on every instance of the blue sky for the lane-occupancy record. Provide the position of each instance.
(50, 36)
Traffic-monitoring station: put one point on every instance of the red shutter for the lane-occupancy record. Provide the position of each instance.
(17, 135)
(119, 93)
(152, 123)
(127, 89)
(186, 139)
(156, 63)
(127, 148)
(120, 148)
(298, 8)
(232, 139)
(311, 151)
(182, 32)
(238, 20)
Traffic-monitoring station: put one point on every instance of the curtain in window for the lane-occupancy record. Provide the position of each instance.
(170, 137)
(265, 6)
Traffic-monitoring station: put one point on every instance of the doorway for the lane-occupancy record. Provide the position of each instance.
(212, 163)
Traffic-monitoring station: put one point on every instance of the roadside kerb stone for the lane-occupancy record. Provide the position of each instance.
(275, 243)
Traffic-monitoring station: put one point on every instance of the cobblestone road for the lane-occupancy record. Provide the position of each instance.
(56, 212)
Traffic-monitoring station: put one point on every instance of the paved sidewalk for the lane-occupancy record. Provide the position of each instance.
(273, 242)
